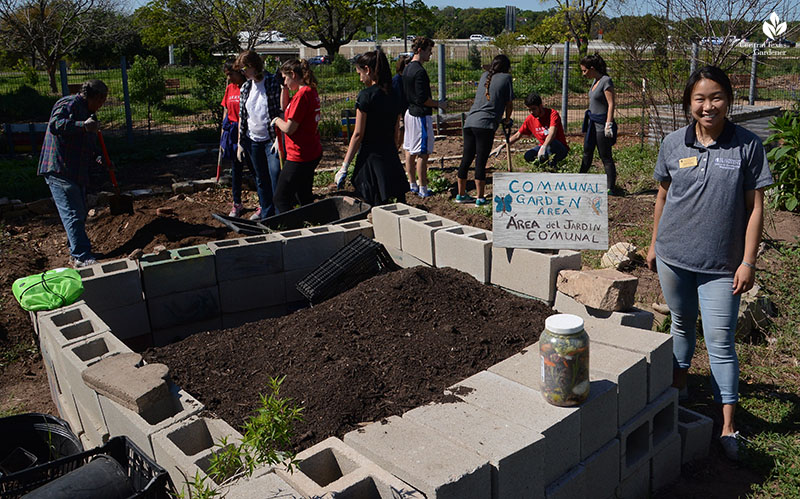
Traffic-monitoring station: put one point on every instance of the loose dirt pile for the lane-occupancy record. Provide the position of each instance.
(392, 343)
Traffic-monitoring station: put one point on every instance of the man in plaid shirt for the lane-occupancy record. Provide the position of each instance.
(69, 148)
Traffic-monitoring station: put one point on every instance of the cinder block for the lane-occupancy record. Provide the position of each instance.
(386, 222)
(514, 452)
(69, 413)
(637, 484)
(34, 322)
(172, 334)
(178, 270)
(76, 358)
(354, 229)
(570, 485)
(185, 447)
(656, 347)
(526, 407)
(259, 291)
(628, 370)
(185, 307)
(664, 423)
(424, 460)
(635, 317)
(602, 470)
(140, 428)
(248, 256)
(635, 443)
(128, 321)
(265, 486)
(695, 430)
(532, 272)
(598, 412)
(70, 324)
(290, 280)
(112, 284)
(333, 469)
(307, 248)
(417, 235)
(236, 319)
(404, 259)
(467, 249)
(665, 466)
(93, 425)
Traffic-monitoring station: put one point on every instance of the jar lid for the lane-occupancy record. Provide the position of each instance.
(564, 324)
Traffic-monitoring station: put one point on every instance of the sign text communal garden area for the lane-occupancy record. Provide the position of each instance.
(550, 210)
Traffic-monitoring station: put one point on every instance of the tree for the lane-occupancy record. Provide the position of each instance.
(580, 15)
(147, 83)
(105, 48)
(507, 43)
(332, 23)
(549, 31)
(49, 29)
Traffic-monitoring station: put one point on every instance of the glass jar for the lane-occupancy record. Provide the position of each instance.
(564, 352)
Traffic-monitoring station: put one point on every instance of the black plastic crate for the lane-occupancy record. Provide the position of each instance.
(359, 260)
(148, 479)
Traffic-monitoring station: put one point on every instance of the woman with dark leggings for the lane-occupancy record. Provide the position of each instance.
(495, 96)
(303, 145)
(598, 123)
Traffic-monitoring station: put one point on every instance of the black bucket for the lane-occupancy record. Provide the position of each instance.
(36, 439)
(101, 478)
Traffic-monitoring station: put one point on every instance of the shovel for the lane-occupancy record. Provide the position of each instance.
(119, 203)
(507, 125)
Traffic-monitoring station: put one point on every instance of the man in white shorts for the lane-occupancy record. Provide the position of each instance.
(418, 120)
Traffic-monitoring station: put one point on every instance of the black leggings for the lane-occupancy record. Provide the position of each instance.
(294, 184)
(596, 137)
(477, 145)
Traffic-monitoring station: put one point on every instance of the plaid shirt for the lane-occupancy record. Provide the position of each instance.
(68, 150)
(273, 89)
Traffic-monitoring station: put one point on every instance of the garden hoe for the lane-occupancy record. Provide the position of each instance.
(118, 203)
(507, 125)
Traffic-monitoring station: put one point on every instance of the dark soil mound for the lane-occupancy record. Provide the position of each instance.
(390, 344)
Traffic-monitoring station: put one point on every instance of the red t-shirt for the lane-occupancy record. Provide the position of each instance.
(230, 101)
(539, 127)
(304, 144)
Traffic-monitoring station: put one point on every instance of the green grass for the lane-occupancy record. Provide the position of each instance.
(17, 352)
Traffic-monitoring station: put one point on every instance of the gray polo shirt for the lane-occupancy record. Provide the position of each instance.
(488, 113)
(702, 227)
(598, 104)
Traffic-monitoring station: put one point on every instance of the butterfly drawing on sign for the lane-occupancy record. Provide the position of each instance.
(596, 205)
(503, 204)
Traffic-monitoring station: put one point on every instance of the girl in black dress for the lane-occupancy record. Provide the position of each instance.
(378, 175)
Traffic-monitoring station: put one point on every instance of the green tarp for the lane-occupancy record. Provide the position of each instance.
(48, 290)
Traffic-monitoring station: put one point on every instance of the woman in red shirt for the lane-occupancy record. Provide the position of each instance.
(303, 145)
(230, 134)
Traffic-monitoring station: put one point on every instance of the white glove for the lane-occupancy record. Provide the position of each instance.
(240, 153)
(609, 131)
(497, 150)
(341, 175)
(91, 125)
(274, 148)
(274, 120)
(541, 154)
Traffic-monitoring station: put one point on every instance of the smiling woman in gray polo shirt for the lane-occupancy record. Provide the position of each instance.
(706, 231)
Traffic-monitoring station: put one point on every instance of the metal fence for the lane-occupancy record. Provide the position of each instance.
(188, 108)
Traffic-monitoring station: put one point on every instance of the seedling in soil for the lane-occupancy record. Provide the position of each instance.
(267, 439)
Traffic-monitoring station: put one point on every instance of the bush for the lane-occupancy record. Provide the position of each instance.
(147, 83)
(474, 57)
(31, 76)
(785, 162)
(340, 65)
(209, 87)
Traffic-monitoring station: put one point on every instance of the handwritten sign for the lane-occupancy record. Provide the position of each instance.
(549, 210)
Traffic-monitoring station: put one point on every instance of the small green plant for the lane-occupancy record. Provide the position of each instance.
(785, 162)
(31, 75)
(148, 85)
(266, 440)
(474, 57)
(341, 65)
(437, 182)
(323, 179)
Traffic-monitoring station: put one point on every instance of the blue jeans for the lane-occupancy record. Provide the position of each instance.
(553, 153)
(70, 200)
(683, 289)
(267, 167)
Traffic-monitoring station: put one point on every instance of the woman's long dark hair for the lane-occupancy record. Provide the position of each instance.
(596, 62)
(376, 61)
(500, 64)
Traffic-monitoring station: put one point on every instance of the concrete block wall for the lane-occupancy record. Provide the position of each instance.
(635, 317)
(417, 235)
(531, 272)
(386, 223)
(695, 431)
(465, 248)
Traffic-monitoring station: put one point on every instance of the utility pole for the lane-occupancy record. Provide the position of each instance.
(405, 28)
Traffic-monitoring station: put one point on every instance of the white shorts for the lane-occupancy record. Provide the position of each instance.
(418, 137)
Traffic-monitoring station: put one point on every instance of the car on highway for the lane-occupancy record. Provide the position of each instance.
(320, 59)
(478, 38)
(394, 39)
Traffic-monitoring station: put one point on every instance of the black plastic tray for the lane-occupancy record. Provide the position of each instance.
(332, 210)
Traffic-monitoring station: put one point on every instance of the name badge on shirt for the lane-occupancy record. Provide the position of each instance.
(688, 162)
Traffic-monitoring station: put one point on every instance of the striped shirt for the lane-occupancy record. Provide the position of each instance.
(68, 150)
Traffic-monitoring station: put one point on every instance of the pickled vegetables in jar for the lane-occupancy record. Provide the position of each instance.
(564, 352)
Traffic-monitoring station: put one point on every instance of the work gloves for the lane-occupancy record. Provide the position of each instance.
(341, 175)
(609, 130)
(91, 125)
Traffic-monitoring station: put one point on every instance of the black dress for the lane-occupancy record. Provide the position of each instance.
(378, 174)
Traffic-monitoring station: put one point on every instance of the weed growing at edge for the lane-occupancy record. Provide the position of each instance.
(267, 437)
